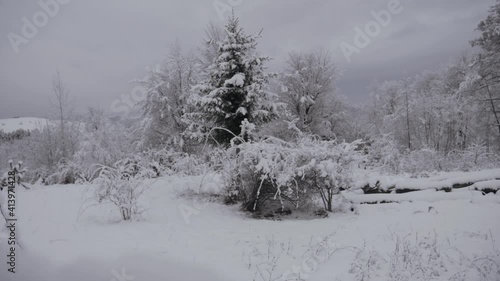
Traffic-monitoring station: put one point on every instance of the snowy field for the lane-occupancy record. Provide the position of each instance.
(10, 125)
(250, 141)
(186, 234)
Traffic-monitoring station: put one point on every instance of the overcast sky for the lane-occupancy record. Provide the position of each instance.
(100, 45)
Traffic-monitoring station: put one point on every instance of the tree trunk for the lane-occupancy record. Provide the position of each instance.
(495, 113)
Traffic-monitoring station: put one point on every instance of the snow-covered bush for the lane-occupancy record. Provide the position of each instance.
(160, 161)
(122, 185)
(104, 142)
(43, 150)
(293, 174)
(49, 149)
(278, 129)
(169, 162)
(477, 156)
(64, 173)
(384, 152)
(190, 165)
(422, 161)
(13, 136)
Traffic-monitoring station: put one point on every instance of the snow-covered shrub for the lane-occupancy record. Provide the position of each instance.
(384, 152)
(281, 129)
(43, 150)
(49, 148)
(189, 165)
(293, 173)
(422, 161)
(214, 158)
(13, 136)
(104, 142)
(65, 173)
(476, 156)
(122, 185)
(168, 162)
(159, 160)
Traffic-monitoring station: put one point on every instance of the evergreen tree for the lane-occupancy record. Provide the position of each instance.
(235, 97)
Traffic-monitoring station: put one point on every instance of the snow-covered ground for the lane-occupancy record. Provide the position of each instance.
(441, 180)
(181, 236)
(26, 123)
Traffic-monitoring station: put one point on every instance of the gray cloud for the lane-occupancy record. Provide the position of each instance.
(99, 46)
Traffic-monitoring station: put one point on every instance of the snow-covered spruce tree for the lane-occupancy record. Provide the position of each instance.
(235, 96)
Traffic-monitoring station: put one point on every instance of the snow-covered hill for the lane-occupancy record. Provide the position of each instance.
(26, 123)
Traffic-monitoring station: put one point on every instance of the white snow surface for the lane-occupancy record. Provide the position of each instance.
(183, 234)
(491, 184)
(237, 80)
(440, 180)
(26, 123)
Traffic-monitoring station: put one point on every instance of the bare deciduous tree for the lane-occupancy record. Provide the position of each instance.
(308, 80)
(167, 87)
(210, 50)
(63, 107)
(488, 61)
